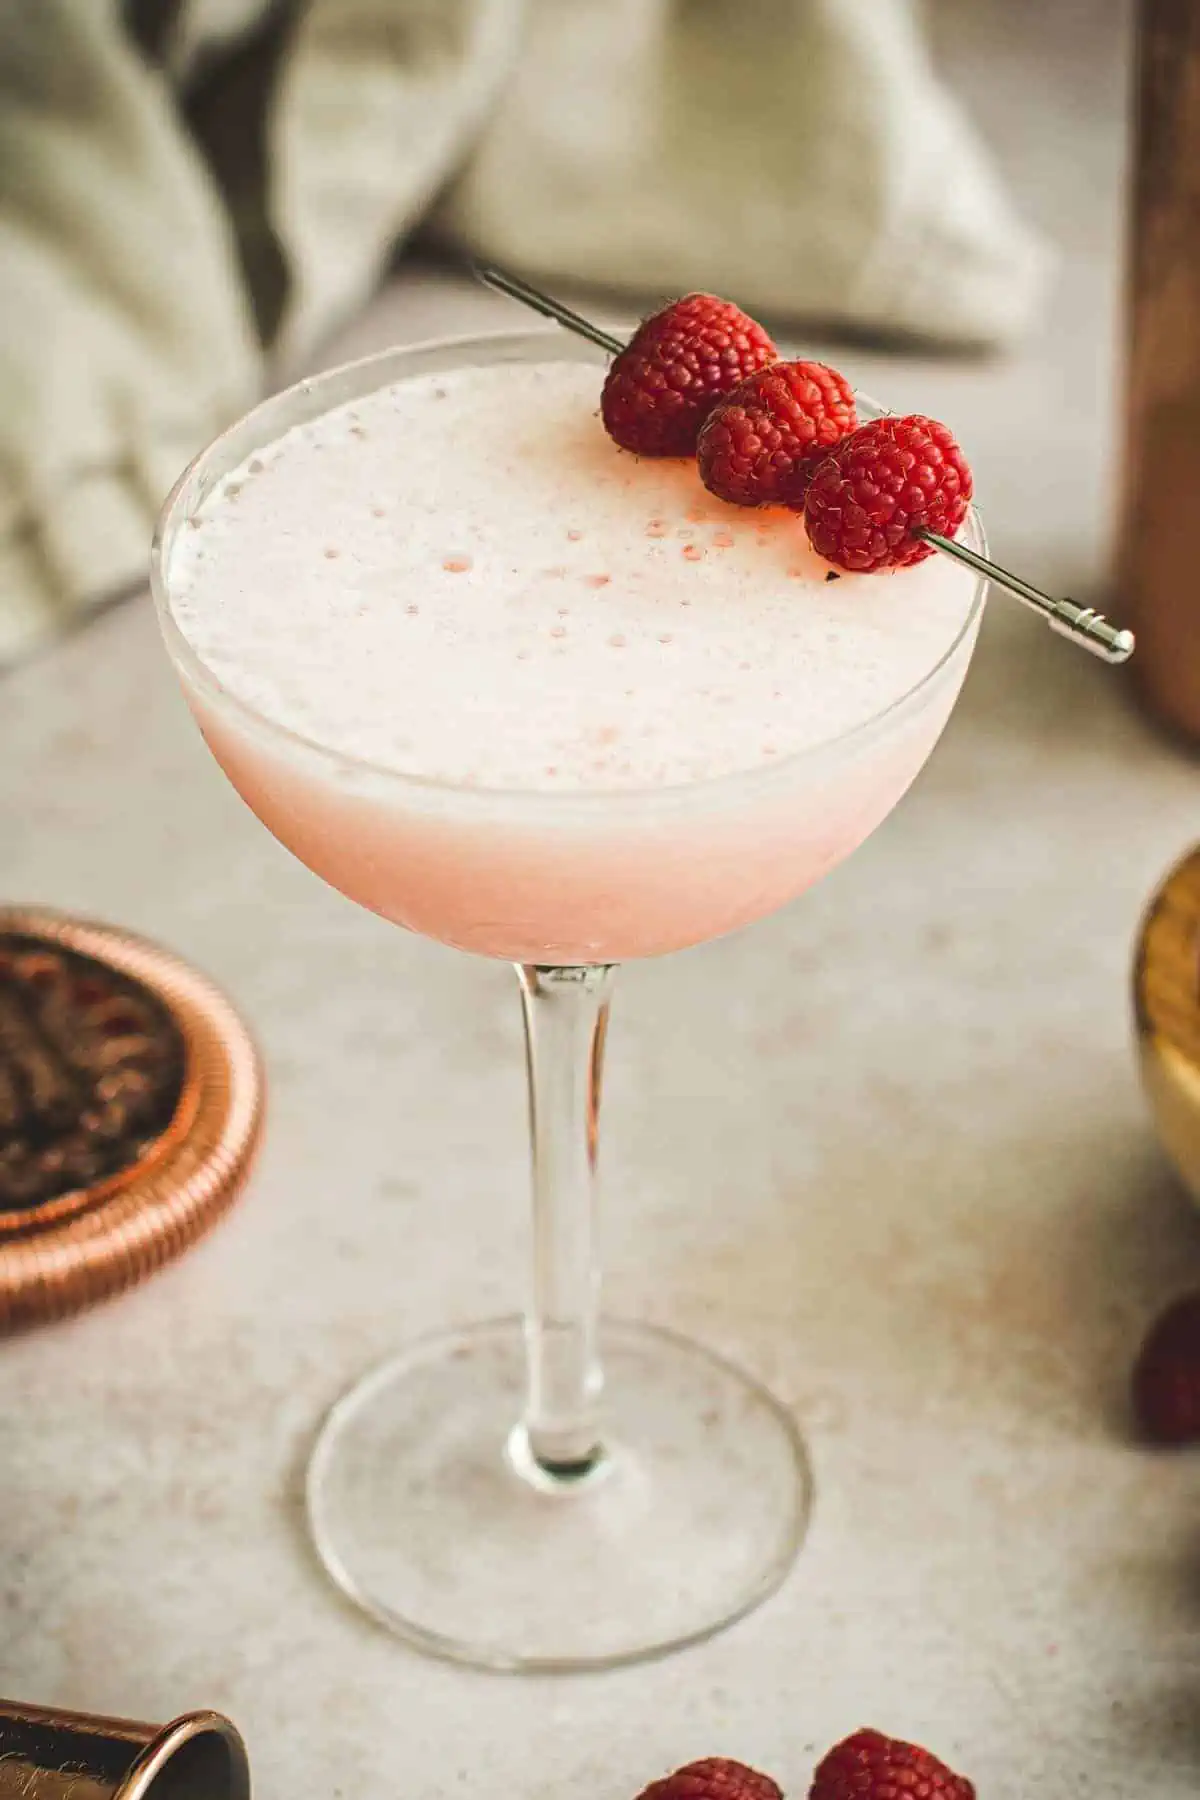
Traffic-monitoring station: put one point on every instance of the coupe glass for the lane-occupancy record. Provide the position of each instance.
(554, 1492)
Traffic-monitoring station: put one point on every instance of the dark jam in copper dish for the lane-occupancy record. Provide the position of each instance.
(91, 1072)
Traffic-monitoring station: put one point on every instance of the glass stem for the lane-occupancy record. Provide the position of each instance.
(566, 1018)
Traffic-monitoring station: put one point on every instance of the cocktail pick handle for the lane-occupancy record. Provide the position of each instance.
(1082, 624)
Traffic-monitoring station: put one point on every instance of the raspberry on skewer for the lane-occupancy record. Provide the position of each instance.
(1081, 623)
(675, 368)
(760, 445)
(880, 487)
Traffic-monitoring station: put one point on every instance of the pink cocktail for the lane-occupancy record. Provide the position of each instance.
(510, 687)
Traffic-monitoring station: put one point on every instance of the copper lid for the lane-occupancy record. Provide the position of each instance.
(130, 1111)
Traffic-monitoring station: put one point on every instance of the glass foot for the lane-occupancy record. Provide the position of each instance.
(427, 1510)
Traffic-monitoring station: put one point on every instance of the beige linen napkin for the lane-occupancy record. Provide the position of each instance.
(799, 155)
(191, 190)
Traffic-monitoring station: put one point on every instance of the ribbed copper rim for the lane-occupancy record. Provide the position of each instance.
(113, 1236)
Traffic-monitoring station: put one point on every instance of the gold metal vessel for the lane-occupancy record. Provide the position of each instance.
(1167, 1009)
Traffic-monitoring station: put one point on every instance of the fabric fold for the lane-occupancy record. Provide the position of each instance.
(193, 195)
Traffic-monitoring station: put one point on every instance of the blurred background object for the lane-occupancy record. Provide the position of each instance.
(194, 193)
(1158, 564)
(1167, 1015)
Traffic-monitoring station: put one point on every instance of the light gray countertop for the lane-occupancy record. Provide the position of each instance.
(886, 1148)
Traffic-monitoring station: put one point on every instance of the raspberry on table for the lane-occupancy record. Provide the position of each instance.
(760, 445)
(662, 386)
(1166, 1376)
(714, 1778)
(881, 482)
(870, 1766)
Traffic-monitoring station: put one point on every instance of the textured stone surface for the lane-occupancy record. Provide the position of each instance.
(887, 1148)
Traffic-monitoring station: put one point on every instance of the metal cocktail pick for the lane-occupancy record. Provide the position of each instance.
(1083, 624)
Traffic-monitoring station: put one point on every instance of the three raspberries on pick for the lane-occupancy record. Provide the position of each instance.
(702, 377)
(867, 1766)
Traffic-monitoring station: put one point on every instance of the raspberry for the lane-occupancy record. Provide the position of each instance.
(715, 1778)
(1166, 1376)
(885, 478)
(869, 1766)
(761, 445)
(662, 386)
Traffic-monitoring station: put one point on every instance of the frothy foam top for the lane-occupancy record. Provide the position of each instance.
(461, 577)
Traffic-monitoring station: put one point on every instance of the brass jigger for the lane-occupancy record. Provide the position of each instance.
(48, 1754)
(1082, 624)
